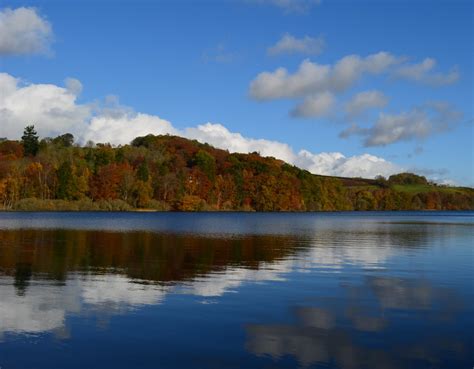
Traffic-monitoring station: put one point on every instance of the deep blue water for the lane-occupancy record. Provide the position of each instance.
(237, 290)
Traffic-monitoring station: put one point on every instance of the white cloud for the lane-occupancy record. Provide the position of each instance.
(365, 100)
(54, 110)
(309, 78)
(335, 163)
(312, 77)
(124, 128)
(23, 31)
(421, 72)
(313, 81)
(324, 163)
(417, 123)
(289, 44)
(74, 86)
(219, 136)
(315, 105)
(391, 128)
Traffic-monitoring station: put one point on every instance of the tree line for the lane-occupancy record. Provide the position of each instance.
(174, 173)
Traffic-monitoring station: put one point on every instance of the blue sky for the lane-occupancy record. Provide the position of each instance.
(194, 62)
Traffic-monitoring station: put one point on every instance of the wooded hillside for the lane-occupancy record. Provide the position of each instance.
(174, 173)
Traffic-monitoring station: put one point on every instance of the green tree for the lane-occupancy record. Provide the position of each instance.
(65, 140)
(207, 163)
(142, 172)
(67, 188)
(381, 181)
(407, 179)
(30, 141)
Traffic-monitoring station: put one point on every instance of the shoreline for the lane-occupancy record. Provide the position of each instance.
(236, 211)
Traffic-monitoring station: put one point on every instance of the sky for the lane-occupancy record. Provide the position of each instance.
(348, 88)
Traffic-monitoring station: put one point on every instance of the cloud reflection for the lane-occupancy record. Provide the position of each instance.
(49, 275)
(116, 291)
(332, 336)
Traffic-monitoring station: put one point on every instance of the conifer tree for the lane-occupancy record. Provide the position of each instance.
(30, 141)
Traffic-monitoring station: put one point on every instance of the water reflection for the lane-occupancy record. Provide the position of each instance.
(51, 273)
(286, 291)
(146, 256)
(46, 305)
(360, 333)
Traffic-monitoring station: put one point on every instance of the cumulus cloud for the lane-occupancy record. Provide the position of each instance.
(315, 105)
(123, 128)
(417, 123)
(289, 44)
(309, 78)
(320, 85)
(335, 163)
(291, 6)
(219, 136)
(54, 110)
(312, 77)
(23, 31)
(422, 72)
(365, 100)
(74, 86)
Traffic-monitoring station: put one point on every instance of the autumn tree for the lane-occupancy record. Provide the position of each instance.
(169, 172)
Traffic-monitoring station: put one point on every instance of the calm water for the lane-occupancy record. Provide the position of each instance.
(342, 290)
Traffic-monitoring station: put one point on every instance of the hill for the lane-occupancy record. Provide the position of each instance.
(174, 173)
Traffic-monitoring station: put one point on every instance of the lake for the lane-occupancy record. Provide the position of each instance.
(237, 290)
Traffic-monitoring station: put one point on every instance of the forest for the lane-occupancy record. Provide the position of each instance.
(170, 173)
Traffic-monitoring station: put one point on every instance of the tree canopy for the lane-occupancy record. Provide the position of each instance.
(174, 173)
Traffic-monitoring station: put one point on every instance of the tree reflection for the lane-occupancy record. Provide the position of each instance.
(23, 275)
(47, 276)
(146, 256)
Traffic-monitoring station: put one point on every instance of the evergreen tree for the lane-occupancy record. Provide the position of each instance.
(207, 163)
(142, 172)
(66, 184)
(30, 141)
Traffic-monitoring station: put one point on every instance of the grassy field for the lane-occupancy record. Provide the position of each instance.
(419, 188)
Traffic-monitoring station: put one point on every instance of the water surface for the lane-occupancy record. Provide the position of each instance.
(233, 290)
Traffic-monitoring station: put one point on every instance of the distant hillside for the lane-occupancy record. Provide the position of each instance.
(174, 173)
